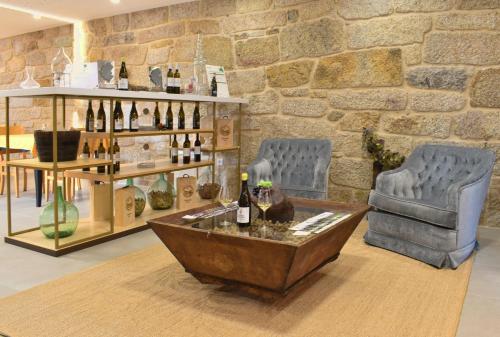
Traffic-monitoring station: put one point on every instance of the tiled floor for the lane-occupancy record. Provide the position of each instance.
(22, 269)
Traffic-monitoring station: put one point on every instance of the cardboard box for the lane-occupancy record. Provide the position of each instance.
(100, 209)
(124, 206)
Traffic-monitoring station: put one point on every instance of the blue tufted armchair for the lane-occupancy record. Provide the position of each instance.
(429, 208)
(298, 166)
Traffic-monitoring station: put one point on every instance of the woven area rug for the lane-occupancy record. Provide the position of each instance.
(366, 292)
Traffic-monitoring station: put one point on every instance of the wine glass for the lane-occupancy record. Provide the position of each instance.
(264, 200)
(225, 199)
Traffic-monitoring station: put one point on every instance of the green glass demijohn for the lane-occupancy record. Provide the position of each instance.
(161, 194)
(67, 216)
(140, 197)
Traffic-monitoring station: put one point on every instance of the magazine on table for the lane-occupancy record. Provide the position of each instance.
(319, 223)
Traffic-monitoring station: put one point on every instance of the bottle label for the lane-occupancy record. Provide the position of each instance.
(102, 156)
(197, 150)
(135, 124)
(116, 157)
(170, 82)
(177, 82)
(91, 125)
(186, 152)
(119, 124)
(99, 124)
(175, 152)
(243, 215)
(85, 156)
(123, 83)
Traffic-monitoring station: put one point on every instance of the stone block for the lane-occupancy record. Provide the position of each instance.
(466, 21)
(478, 125)
(412, 54)
(204, 27)
(348, 144)
(434, 101)
(16, 63)
(265, 103)
(486, 89)
(388, 31)
(371, 68)
(294, 92)
(219, 51)
(254, 21)
(315, 9)
(478, 4)
(218, 7)
(5, 44)
(170, 30)
(120, 22)
(246, 81)
(186, 10)
(133, 54)
(258, 51)
(357, 120)
(352, 172)
(447, 78)
(36, 58)
(245, 6)
(473, 48)
(437, 126)
(158, 56)
(363, 9)
(304, 107)
(283, 3)
(184, 49)
(149, 18)
(335, 116)
(405, 6)
(119, 38)
(290, 74)
(369, 99)
(312, 39)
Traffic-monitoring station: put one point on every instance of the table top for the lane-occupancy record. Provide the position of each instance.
(279, 232)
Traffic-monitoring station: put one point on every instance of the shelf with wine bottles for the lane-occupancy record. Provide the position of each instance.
(132, 171)
(34, 163)
(128, 134)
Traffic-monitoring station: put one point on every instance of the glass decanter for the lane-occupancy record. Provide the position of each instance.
(200, 69)
(29, 82)
(68, 217)
(161, 194)
(61, 69)
(140, 197)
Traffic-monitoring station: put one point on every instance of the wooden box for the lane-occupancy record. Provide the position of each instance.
(124, 206)
(187, 197)
(225, 132)
(100, 209)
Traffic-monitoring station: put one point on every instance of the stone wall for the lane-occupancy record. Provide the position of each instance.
(415, 70)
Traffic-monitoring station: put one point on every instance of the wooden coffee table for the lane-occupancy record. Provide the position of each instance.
(264, 261)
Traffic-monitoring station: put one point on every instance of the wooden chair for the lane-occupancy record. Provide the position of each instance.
(14, 130)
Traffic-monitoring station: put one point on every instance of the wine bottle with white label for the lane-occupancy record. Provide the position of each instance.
(181, 121)
(177, 80)
(244, 212)
(169, 118)
(186, 150)
(118, 117)
(170, 80)
(116, 156)
(86, 154)
(123, 77)
(196, 116)
(101, 118)
(197, 148)
(175, 151)
(101, 155)
(134, 118)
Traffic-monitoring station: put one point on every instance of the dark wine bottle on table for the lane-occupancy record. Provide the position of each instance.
(118, 117)
(134, 119)
(123, 77)
(196, 116)
(169, 119)
(101, 118)
(175, 151)
(116, 156)
(86, 154)
(244, 212)
(213, 87)
(197, 148)
(186, 151)
(101, 151)
(181, 124)
(89, 118)
(170, 80)
(157, 118)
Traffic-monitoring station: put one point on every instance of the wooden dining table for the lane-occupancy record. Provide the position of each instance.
(25, 143)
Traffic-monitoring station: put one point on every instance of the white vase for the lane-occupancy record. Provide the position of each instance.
(61, 69)
(29, 82)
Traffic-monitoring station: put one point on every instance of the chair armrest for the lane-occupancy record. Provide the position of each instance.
(259, 170)
(454, 189)
(321, 169)
(388, 181)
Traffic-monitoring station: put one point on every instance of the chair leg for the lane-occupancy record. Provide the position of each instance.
(79, 182)
(16, 181)
(25, 180)
(2, 181)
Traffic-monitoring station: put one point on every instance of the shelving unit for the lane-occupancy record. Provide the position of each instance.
(90, 232)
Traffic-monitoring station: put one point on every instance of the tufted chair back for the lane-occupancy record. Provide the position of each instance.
(434, 173)
(298, 166)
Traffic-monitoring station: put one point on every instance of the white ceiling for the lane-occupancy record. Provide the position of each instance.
(15, 22)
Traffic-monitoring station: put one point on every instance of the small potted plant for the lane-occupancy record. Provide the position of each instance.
(383, 160)
(281, 209)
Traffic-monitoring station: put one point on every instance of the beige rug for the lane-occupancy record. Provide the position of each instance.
(367, 292)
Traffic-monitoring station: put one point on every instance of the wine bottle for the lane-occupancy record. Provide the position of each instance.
(196, 116)
(101, 118)
(213, 87)
(118, 117)
(86, 154)
(101, 155)
(177, 80)
(89, 119)
(169, 123)
(134, 119)
(109, 158)
(244, 212)
(123, 77)
(186, 151)
(197, 148)
(170, 80)
(116, 156)
(181, 124)
(174, 151)
(157, 118)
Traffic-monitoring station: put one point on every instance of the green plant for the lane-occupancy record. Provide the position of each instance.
(383, 159)
(265, 184)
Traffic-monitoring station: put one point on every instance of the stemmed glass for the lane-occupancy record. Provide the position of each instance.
(264, 202)
(225, 199)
